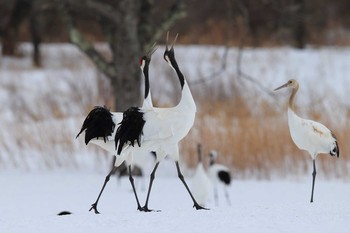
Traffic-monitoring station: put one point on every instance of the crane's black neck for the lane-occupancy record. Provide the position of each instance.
(171, 56)
(145, 73)
(178, 72)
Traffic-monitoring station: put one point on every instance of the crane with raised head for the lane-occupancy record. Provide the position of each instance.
(99, 128)
(159, 129)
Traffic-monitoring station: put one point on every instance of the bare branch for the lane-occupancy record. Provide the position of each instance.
(176, 12)
(85, 46)
(240, 73)
(94, 8)
(216, 73)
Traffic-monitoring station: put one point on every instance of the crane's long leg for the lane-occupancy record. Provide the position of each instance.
(195, 204)
(313, 180)
(94, 205)
(145, 207)
(227, 195)
(131, 179)
(216, 196)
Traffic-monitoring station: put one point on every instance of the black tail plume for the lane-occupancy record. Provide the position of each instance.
(335, 149)
(130, 129)
(98, 123)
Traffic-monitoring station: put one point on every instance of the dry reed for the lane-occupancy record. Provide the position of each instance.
(258, 146)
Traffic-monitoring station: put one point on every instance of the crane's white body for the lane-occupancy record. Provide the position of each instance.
(309, 135)
(164, 128)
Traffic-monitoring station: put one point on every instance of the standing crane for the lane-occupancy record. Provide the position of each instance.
(220, 175)
(159, 129)
(99, 128)
(309, 135)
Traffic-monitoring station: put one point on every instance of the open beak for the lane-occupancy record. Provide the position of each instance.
(152, 50)
(283, 86)
(167, 41)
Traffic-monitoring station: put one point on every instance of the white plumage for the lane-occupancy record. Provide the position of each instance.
(308, 135)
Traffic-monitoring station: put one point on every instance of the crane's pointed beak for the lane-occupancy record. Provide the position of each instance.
(167, 41)
(152, 50)
(283, 86)
(172, 45)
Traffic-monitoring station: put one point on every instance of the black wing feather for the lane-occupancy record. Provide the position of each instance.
(225, 177)
(130, 129)
(98, 123)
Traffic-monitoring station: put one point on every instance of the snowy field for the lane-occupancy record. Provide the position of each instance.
(30, 202)
(44, 170)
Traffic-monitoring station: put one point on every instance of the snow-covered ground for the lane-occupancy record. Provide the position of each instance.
(30, 203)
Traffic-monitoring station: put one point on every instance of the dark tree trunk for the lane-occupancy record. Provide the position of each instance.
(126, 52)
(9, 42)
(299, 28)
(10, 33)
(34, 28)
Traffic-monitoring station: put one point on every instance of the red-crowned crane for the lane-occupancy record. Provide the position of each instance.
(220, 175)
(159, 129)
(99, 128)
(309, 135)
(201, 185)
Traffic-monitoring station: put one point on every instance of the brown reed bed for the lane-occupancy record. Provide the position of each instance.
(258, 146)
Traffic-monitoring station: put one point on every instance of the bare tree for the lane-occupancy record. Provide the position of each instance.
(128, 30)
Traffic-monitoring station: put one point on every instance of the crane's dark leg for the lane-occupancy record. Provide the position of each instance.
(195, 204)
(313, 180)
(134, 189)
(123, 171)
(216, 196)
(145, 207)
(94, 205)
(227, 195)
